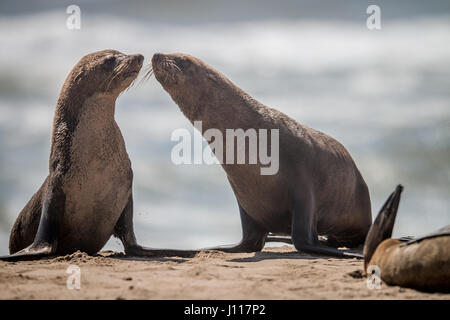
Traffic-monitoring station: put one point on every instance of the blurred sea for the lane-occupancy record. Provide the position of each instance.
(383, 94)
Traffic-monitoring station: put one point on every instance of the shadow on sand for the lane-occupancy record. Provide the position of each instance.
(122, 256)
(268, 255)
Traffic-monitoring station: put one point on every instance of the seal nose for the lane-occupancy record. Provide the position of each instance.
(157, 58)
(137, 58)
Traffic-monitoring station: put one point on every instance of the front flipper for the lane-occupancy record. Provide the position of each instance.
(124, 230)
(46, 239)
(29, 253)
(253, 236)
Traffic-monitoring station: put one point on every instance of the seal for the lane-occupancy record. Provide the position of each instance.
(87, 195)
(421, 263)
(318, 189)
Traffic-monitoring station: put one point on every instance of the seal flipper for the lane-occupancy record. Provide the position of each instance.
(445, 231)
(46, 239)
(278, 238)
(25, 227)
(124, 230)
(383, 225)
(124, 227)
(253, 236)
(30, 253)
(304, 234)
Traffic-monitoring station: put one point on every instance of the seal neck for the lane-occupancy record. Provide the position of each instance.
(69, 109)
(227, 108)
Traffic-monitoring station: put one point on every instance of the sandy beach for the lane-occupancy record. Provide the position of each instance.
(275, 273)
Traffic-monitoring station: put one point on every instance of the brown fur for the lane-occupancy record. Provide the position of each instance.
(90, 177)
(423, 265)
(317, 175)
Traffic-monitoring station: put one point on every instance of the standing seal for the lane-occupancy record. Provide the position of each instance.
(318, 190)
(87, 195)
(422, 263)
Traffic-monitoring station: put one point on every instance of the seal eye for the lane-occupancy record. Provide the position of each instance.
(109, 62)
(183, 63)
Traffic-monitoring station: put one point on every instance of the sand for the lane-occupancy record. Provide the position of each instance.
(275, 273)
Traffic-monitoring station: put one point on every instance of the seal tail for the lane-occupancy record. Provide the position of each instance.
(382, 228)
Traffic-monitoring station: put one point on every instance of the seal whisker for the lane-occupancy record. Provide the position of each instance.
(130, 86)
(173, 64)
(147, 75)
(118, 70)
(165, 78)
(170, 64)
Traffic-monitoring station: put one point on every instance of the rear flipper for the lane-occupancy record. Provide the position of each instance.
(124, 230)
(327, 251)
(46, 239)
(406, 238)
(445, 231)
(304, 233)
(287, 239)
(253, 238)
(139, 251)
(26, 225)
(382, 228)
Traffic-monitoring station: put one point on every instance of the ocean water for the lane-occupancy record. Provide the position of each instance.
(383, 94)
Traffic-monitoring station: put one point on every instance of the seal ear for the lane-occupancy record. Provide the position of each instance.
(382, 228)
(109, 63)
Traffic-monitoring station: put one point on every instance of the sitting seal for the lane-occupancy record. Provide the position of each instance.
(87, 195)
(422, 263)
(318, 190)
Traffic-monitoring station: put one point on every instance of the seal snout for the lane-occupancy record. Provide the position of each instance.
(165, 68)
(139, 58)
(157, 59)
(136, 61)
